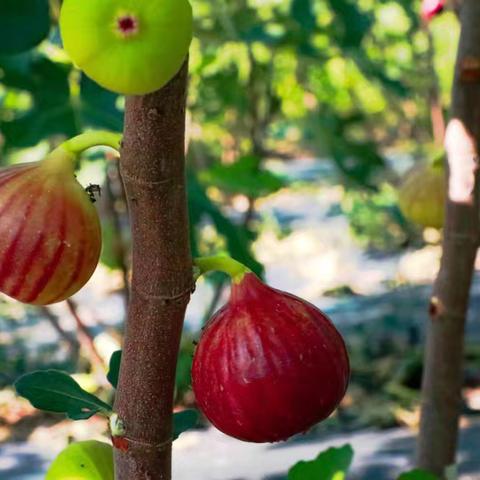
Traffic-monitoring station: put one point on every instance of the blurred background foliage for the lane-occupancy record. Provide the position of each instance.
(354, 84)
(338, 80)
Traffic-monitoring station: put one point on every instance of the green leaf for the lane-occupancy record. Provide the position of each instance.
(351, 24)
(374, 70)
(55, 110)
(51, 113)
(98, 106)
(55, 391)
(183, 421)
(23, 24)
(333, 464)
(114, 368)
(417, 475)
(302, 12)
(244, 176)
(237, 239)
(358, 160)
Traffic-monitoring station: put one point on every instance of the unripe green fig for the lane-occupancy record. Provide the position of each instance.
(422, 195)
(129, 47)
(50, 235)
(90, 460)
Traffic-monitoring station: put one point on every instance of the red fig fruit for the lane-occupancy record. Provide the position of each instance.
(268, 365)
(431, 8)
(50, 236)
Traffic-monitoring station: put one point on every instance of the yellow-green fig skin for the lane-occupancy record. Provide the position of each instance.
(136, 59)
(422, 195)
(89, 460)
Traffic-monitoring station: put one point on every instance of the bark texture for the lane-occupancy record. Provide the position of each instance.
(153, 171)
(443, 375)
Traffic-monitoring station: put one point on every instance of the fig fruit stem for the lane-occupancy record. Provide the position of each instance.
(80, 143)
(64, 157)
(221, 263)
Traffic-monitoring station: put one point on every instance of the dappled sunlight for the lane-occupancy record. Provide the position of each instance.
(304, 123)
(420, 266)
(463, 160)
(321, 256)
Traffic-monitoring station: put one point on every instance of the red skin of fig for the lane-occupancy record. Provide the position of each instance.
(268, 365)
(431, 8)
(50, 236)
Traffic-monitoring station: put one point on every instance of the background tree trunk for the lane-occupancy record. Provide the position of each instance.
(153, 171)
(443, 373)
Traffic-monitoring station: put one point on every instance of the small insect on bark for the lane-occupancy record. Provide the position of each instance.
(93, 192)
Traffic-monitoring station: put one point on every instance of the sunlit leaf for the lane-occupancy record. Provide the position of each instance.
(52, 112)
(244, 176)
(417, 475)
(333, 464)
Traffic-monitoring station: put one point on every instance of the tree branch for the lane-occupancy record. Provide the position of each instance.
(85, 337)
(443, 375)
(71, 340)
(153, 170)
(119, 244)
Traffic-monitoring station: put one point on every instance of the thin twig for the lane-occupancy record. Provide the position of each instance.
(86, 338)
(72, 342)
(119, 247)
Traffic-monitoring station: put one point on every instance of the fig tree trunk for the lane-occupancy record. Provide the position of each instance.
(153, 171)
(443, 373)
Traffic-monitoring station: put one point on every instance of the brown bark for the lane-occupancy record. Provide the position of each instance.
(441, 391)
(153, 170)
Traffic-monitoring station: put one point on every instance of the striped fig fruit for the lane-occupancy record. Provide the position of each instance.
(50, 237)
(432, 8)
(268, 365)
(422, 195)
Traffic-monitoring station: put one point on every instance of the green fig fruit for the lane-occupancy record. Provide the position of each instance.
(132, 47)
(90, 460)
(422, 195)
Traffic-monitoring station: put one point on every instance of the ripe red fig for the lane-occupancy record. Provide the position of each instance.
(431, 8)
(268, 365)
(50, 237)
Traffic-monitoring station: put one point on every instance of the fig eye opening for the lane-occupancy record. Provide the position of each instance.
(127, 25)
